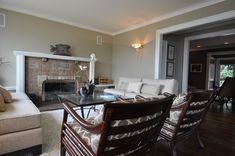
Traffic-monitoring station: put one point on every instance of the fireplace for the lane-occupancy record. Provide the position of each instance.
(33, 68)
(51, 87)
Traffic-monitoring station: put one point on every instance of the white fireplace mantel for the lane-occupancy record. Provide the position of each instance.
(20, 65)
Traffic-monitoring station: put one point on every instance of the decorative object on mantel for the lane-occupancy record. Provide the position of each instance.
(60, 49)
(87, 89)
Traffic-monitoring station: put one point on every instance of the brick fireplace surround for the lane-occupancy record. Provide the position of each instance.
(35, 68)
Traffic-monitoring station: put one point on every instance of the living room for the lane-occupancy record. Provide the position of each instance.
(31, 28)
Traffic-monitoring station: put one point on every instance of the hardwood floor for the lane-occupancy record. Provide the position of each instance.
(217, 133)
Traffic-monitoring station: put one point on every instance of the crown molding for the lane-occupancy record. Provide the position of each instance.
(53, 19)
(155, 20)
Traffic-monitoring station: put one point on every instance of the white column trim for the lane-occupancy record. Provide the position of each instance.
(20, 73)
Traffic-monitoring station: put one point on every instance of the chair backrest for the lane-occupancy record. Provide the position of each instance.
(193, 113)
(132, 128)
(228, 88)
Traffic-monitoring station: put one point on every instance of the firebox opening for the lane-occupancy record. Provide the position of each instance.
(52, 87)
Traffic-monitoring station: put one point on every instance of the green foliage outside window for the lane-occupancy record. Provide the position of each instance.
(226, 71)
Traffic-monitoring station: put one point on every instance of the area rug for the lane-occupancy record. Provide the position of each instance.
(51, 125)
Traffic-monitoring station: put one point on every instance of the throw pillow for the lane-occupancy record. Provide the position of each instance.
(176, 108)
(150, 89)
(134, 87)
(123, 85)
(179, 99)
(6, 95)
(2, 104)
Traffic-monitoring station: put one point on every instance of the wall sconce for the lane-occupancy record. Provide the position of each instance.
(137, 46)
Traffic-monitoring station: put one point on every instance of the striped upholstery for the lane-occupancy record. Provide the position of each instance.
(191, 113)
(129, 128)
(189, 116)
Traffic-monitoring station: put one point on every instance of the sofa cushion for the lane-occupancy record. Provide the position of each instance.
(21, 114)
(113, 91)
(123, 85)
(150, 89)
(2, 104)
(130, 94)
(166, 85)
(17, 141)
(134, 87)
(6, 95)
(124, 82)
(150, 96)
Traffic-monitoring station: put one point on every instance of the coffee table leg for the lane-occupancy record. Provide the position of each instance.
(82, 112)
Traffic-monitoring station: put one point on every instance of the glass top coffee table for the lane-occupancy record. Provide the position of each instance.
(91, 100)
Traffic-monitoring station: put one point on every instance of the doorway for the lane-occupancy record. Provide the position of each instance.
(159, 42)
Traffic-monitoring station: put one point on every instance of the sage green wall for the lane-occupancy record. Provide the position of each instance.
(29, 33)
(127, 62)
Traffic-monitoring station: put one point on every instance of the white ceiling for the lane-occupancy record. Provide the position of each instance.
(106, 16)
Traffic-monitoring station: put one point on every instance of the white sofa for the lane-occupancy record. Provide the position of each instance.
(20, 127)
(130, 87)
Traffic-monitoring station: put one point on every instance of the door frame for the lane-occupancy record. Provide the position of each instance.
(158, 71)
(186, 53)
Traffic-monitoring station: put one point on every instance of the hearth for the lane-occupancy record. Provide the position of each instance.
(51, 87)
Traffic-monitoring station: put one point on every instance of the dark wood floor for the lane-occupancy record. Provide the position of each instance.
(217, 133)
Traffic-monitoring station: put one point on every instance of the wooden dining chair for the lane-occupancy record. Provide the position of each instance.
(186, 115)
(127, 128)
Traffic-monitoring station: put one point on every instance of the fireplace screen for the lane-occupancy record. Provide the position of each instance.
(52, 87)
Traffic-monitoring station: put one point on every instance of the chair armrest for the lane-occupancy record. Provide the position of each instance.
(167, 94)
(86, 125)
(176, 107)
(141, 97)
(120, 99)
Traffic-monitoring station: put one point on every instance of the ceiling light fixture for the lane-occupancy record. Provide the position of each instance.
(226, 42)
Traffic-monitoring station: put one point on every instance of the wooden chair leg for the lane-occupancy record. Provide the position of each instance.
(173, 149)
(226, 103)
(200, 141)
(62, 151)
